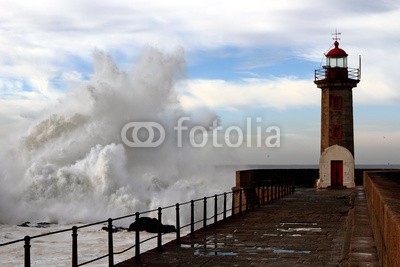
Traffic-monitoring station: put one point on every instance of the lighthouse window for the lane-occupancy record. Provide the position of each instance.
(337, 132)
(340, 62)
(336, 102)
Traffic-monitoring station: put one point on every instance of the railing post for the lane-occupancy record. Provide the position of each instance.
(272, 191)
(137, 239)
(224, 216)
(280, 189)
(74, 246)
(258, 198)
(205, 213)
(27, 248)
(247, 197)
(233, 204)
(254, 198)
(178, 225)
(159, 241)
(192, 218)
(215, 209)
(240, 201)
(110, 243)
(252, 195)
(283, 188)
(293, 187)
(263, 195)
(267, 193)
(288, 186)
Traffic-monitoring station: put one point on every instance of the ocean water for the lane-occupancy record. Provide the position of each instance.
(56, 250)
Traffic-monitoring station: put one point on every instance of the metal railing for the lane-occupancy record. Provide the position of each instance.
(241, 198)
(352, 73)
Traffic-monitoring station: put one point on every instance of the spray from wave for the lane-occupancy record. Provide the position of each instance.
(71, 165)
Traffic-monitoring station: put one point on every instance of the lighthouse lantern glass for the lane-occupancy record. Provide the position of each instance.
(336, 62)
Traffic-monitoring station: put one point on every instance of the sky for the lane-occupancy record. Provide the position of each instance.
(244, 59)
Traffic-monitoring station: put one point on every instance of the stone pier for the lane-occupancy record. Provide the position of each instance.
(310, 227)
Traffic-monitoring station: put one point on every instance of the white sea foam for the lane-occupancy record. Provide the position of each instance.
(70, 166)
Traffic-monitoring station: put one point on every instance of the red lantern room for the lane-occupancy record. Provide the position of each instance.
(336, 63)
(336, 58)
(336, 66)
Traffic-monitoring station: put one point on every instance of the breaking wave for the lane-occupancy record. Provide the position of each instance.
(71, 165)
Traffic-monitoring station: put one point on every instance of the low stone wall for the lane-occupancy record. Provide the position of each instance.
(383, 197)
(259, 187)
(302, 177)
(257, 177)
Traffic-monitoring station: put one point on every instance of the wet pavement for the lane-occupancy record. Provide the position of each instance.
(309, 227)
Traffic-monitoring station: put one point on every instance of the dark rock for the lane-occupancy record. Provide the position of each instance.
(37, 225)
(43, 224)
(25, 224)
(151, 225)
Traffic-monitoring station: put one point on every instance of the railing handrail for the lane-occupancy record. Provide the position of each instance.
(352, 73)
(138, 242)
(105, 221)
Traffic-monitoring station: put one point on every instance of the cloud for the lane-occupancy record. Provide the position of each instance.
(77, 27)
(20, 109)
(46, 46)
(279, 93)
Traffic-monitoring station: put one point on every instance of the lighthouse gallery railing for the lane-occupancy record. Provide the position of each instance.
(352, 73)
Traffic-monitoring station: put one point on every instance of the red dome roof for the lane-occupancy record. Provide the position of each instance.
(336, 52)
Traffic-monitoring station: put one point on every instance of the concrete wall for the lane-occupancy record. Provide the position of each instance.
(383, 198)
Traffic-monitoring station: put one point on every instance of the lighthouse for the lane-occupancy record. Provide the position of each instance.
(336, 82)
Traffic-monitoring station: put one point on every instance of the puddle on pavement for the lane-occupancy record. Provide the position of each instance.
(301, 227)
(282, 250)
(299, 223)
(196, 245)
(214, 245)
(214, 253)
(271, 235)
(279, 251)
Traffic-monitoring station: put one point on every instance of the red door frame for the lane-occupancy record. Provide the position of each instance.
(336, 173)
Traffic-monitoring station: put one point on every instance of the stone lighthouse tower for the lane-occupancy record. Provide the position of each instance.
(336, 82)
